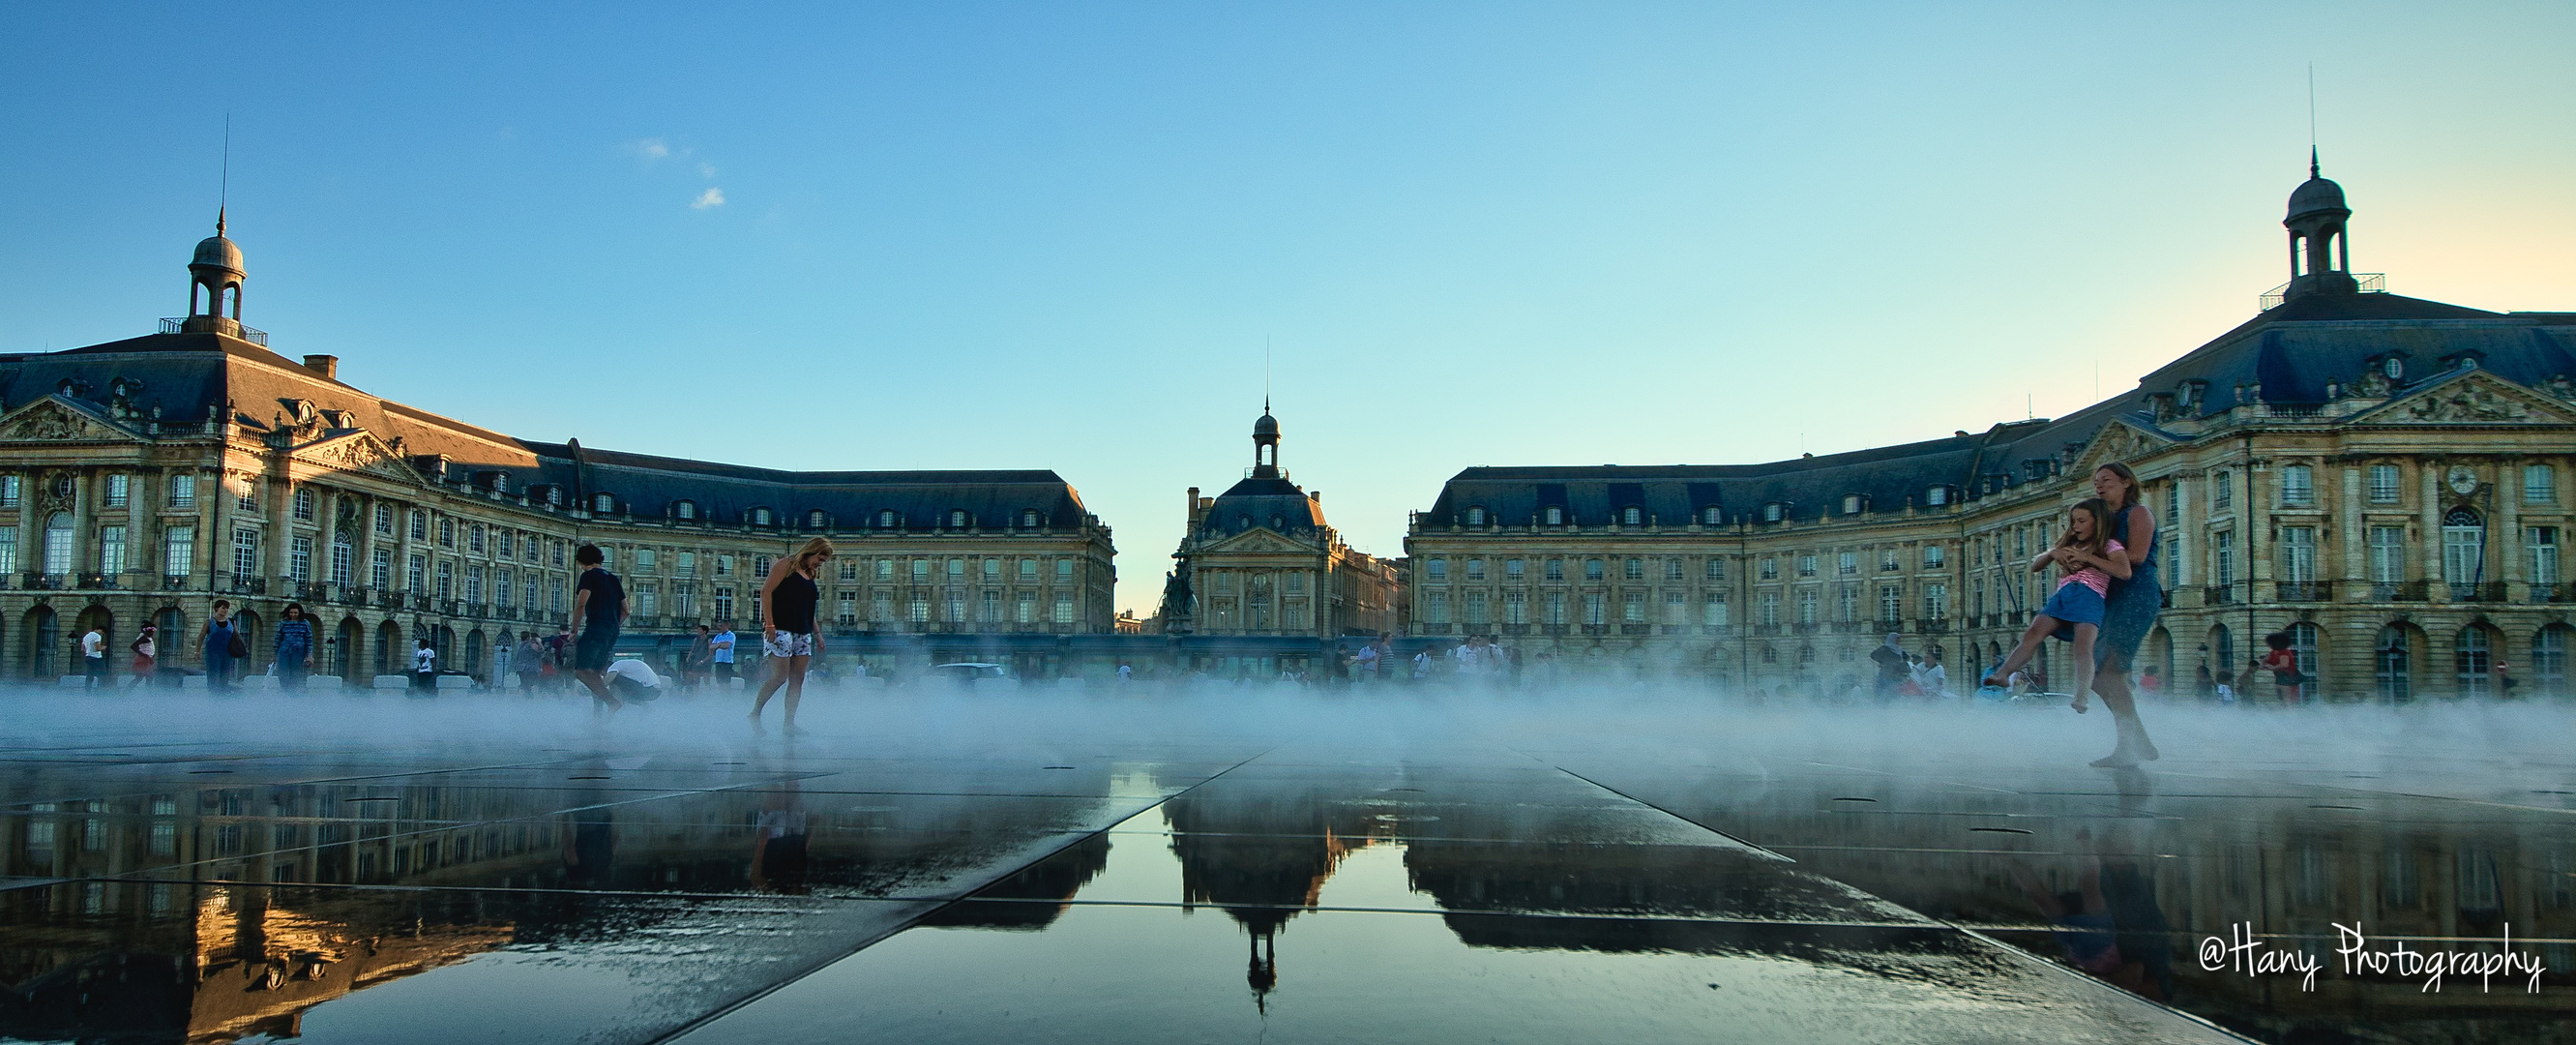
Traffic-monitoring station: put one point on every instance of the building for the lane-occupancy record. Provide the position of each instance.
(2380, 477)
(1260, 576)
(141, 480)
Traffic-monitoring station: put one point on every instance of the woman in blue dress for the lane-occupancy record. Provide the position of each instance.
(294, 647)
(2134, 604)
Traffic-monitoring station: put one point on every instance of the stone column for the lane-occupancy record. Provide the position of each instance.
(2430, 482)
(2352, 535)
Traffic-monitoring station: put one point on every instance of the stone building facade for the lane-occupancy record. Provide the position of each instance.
(1259, 560)
(143, 479)
(2382, 478)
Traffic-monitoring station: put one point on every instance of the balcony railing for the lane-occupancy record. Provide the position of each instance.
(2218, 595)
(2370, 282)
(2553, 593)
(2397, 591)
(2303, 591)
(218, 324)
(2492, 591)
(1932, 626)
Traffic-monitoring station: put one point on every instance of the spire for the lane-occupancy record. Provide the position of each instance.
(2312, 160)
(219, 219)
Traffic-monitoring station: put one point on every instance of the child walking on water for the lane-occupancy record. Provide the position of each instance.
(2089, 558)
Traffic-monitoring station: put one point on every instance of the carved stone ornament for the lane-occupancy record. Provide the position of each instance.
(2466, 404)
(45, 422)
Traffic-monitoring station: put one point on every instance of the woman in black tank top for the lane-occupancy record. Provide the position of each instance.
(789, 636)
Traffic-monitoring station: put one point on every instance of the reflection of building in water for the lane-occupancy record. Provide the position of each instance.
(2387, 479)
(1263, 860)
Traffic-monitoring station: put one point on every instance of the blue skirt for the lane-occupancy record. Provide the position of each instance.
(2135, 605)
(2074, 604)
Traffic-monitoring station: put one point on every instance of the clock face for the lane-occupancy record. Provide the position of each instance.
(2464, 480)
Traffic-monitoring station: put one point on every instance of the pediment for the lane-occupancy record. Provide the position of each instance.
(358, 451)
(54, 419)
(1258, 540)
(2473, 398)
(2117, 441)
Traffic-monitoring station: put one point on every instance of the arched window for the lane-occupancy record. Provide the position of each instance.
(885, 519)
(1029, 519)
(684, 509)
(1771, 512)
(1632, 516)
(2303, 644)
(603, 502)
(760, 517)
(2394, 367)
(2549, 659)
(1554, 515)
(1851, 504)
(2472, 654)
(1936, 496)
(2464, 549)
(1278, 522)
(1711, 516)
(58, 543)
(2222, 646)
(957, 518)
(2392, 665)
(1476, 517)
(816, 520)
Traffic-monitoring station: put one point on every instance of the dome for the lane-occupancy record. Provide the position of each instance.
(2314, 196)
(1268, 425)
(218, 252)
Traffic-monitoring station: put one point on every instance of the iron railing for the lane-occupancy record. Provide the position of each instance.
(222, 325)
(2370, 283)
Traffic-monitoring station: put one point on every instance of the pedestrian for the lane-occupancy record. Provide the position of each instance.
(93, 647)
(559, 654)
(720, 654)
(1126, 672)
(2151, 683)
(294, 648)
(1892, 668)
(2504, 680)
(2129, 613)
(632, 679)
(2204, 684)
(788, 636)
(144, 655)
(1935, 678)
(701, 656)
(599, 606)
(2087, 557)
(222, 644)
(1422, 664)
(424, 666)
(529, 662)
(2283, 663)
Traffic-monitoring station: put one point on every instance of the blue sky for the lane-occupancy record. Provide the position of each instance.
(1055, 235)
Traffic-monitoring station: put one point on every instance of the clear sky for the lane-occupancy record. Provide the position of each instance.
(960, 235)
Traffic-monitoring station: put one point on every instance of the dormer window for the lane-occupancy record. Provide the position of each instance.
(1029, 519)
(603, 502)
(1632, 516)
(760, 516)
(885, 519)
(684, 509)
(1937, 496)
(2394, 367)
(1851, 504)
(816, 520)
(554, 496)
(1554, 516)
(1476, 517)
(957, 519)
(1771, 512)
(1711, 516)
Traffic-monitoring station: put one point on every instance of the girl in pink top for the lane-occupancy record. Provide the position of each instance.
(2087, 558)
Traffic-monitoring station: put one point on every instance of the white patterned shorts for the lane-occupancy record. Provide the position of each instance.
(789, 644)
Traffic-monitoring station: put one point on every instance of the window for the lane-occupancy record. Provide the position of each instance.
(446, 532)
(1515, 569)
(1714, 569)
(111, 550)
(1632, 608)
(1771, 512)
(1934, 558)
(416, 574)
(2387, 554)
(957, 519)
(501, 588)
(183, 491)
(419, 525)
(2464, 547)
(474, 539)
(2222, 491)
(380, 569)
(2394, 367)
(760, 516)
(760, 566)
(443, 586)
(1554, 604)
(646, 559)
(1847, 603)
(2549, 659)
(2542, 544)
(555, 551)
(1553, 570)
(1936, 496)
(1064, 571)
(992, 571)
(1435, 570)
(684, 599)
(956, 571)
(1891, 603)
(246, 497)
(724, 567)
(1807, 606)
(648, 599)
(1633, 569)
(344, 557)
(2303, 648)
(2472, 655)
(816, 520)
(474, 584)
(1770, 569)
(1851, 504)
(1632, 516)
(2298, 486)
(10, 491)
(603, 503)
(2383, 484)
(1476, 517)
(303, 502)
(504, 542)
(1475, 604)
(1807, 565)
(684, 565)
(1029, 519)
(1593, 570)
(1711, 516)
(2391, 666)
(178, 550)
(724, 605)
(2299, 554)
(116, 491)
(885, 520)
(2222, 557)
(245, 554)
(684, 509)
(1936, 601)
(2539, 484)
(1712, 612)
(1673, 568)
(1847, 563)
(1475, 569)
(920, 569)
(1064, 609)
(1766, 609)
(849, 569)
(1592, 610)
(1554, 515)
(845, 609)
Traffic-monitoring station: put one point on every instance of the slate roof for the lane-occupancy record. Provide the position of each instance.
(191, 377)
(1257, 501)
(2285, 356)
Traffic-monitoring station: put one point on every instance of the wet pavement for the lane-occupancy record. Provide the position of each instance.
(1272, 865)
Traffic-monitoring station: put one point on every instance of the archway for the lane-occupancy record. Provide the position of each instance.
(42, 631)
(2549, 659)
(246, 625)
(389, 643)
(2304, 639)
(474, 652)
(2392, 661)
(2158, 654)
(2222, 653)
(346, 653)
(443, 639)
(2472, 657)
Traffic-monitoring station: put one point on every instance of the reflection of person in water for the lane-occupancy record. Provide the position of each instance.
(1264, 972)
(778, 858)
(2109, 924)
(590, 846)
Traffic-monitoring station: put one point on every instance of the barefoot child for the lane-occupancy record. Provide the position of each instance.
(2088, 557)
(2283, 663)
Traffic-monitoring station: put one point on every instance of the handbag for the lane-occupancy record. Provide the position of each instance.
(237, 647)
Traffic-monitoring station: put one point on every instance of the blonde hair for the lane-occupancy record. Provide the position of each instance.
(817, 547)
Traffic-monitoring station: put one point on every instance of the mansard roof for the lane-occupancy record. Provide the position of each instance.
(1258, 500)
(192, 377)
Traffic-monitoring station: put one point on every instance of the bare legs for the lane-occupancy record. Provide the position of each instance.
(2041, 627)
(599, 694)
(788, 672)
(2112, 682)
